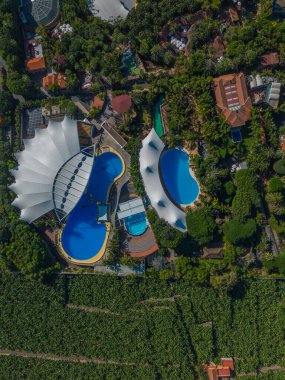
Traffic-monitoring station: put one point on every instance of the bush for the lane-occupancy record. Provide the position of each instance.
(246, 199)
(279, 167)
(230, 188)
(276, 264)
(201, 225)
(237, 232)
(275, 185)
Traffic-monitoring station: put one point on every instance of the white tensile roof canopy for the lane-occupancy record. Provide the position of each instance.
(152, 147)
(52, 171)
(111, 9)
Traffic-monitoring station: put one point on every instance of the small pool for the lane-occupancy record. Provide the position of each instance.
(83, 237)
(157, 118)
(177, 178)
(136, 224)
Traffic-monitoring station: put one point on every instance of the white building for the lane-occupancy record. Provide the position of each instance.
(52, 173)
(110, 10)
(152, 147)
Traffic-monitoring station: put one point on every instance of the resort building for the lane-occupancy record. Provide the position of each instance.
(35, 64)
(221, 372)
(39, 12)
(58, 79)
(152, 148)
(110, 10)
(34, 55)
(57, 171)
(232, 98)
(52, 172)
(97, 103)
(31, 119)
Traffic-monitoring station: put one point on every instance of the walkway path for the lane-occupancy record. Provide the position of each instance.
(272, 368)
(91, 309)
(74, 359)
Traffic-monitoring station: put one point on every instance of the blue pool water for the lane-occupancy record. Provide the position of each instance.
(178, 181)
(82, 237)
(136, 224)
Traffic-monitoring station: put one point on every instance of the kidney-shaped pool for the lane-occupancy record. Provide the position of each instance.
(180, 184)
(83, 237)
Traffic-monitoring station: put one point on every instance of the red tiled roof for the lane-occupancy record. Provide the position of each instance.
(58, 78)
(97, 102)
(121, 103)
(224, 372)
(233, 14)
(213, 373)
(228, 362)
(35, 64)
(270, 59)
(232, 98)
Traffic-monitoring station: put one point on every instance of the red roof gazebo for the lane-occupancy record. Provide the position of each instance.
(121, 103)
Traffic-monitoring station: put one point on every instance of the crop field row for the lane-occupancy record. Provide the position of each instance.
(155, 328)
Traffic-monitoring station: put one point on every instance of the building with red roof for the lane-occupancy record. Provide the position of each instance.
(122, 103)
(56, 78)
(232, 98)
(234, 16)
(35, 64)
(97, 102)
(223, 371)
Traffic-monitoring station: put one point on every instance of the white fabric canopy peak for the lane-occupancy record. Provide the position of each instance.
(46, 175)
(152, 147)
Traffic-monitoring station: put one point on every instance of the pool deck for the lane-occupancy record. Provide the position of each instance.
(140, 246)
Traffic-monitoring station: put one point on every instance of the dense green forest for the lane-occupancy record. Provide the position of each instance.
(165, 329)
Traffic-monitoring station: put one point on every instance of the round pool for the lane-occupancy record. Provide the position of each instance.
(83, 237)
(136, 224)
(177, 178)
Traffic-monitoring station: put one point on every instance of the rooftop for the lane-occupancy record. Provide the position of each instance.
(55, 78)
(121, 103)
(220, 372)
(232, 98)
(97, 102)
(110, 10)
(152, 147)
(131, 207)
(35, 64)
(52, 171)
(32, 119)
(36, 12)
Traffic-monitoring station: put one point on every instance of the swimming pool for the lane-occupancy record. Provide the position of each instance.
(136, 224)
(177, 178)
(83, 237)
(157, 118)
